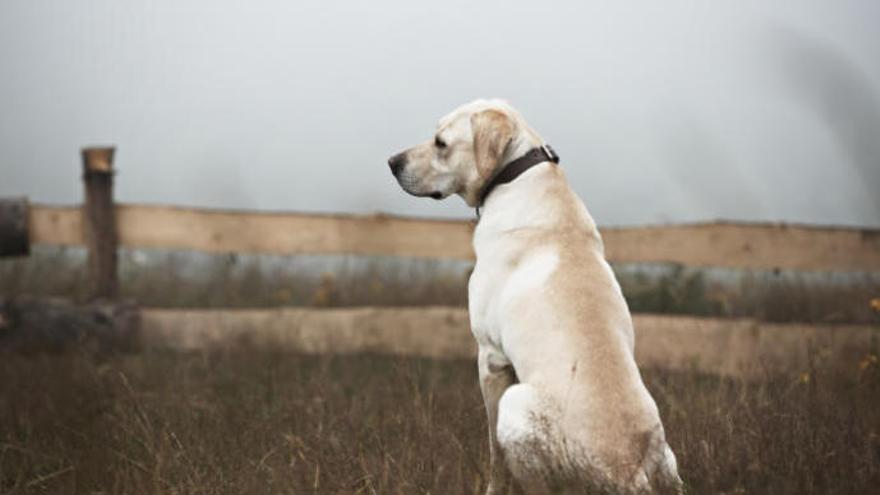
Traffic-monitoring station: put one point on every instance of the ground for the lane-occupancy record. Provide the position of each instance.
(249, 422)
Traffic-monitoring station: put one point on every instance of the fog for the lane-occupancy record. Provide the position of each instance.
(662, 112)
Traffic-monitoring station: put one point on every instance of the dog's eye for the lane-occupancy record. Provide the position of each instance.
(439, 142)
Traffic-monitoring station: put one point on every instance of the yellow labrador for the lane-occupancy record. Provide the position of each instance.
(566, 405)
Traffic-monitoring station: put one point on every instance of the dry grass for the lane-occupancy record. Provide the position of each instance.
(247, 422)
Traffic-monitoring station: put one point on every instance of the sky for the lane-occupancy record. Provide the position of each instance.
(662, 112)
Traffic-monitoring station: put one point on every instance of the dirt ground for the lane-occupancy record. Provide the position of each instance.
(258, 422)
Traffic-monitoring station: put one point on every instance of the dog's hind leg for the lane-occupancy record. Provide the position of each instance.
(527, 437)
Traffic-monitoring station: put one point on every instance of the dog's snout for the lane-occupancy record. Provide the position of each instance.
(397, 162)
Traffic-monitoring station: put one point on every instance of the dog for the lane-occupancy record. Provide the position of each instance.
(567, 409)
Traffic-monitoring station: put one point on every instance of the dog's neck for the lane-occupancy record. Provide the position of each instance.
(540, 198)
(513, 169)
(521, 144)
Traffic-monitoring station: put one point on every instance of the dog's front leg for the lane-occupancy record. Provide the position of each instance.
(496, 375)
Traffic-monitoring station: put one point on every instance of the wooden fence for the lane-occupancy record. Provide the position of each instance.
(723, 244)
(720, 345)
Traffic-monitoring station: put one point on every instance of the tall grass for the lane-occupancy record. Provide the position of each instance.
(246, 422)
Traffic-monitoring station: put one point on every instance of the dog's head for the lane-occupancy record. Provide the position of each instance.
(465, 152)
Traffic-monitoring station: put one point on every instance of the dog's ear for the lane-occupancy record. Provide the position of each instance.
(493, 132)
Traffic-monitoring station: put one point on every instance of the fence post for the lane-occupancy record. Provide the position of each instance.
(100, 221)
(14, 235)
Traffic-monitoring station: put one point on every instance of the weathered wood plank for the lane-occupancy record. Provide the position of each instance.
(763, 246)
(271, 233)
(436, 332)
(56, 225)
(279, 233)
(745, 245)
(733, 347)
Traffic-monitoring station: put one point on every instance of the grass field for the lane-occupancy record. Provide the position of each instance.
(248, 422)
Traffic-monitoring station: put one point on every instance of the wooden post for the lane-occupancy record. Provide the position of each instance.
(99, 217)
(14, 239)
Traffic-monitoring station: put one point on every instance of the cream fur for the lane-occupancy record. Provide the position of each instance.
(565, 401)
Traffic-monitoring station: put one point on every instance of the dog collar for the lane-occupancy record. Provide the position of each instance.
(514, 169)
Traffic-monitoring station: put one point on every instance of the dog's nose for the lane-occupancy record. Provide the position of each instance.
(397, 162)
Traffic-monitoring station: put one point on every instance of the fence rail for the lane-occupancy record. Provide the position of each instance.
(734, 245)
(727, 346)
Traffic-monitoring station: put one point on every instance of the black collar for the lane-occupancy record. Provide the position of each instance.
(514, 169)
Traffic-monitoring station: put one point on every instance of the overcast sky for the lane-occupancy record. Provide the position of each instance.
(662, 111)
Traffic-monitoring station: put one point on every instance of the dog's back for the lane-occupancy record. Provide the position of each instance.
(580, 413)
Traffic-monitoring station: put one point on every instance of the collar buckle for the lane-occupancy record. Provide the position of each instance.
(550, 152)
